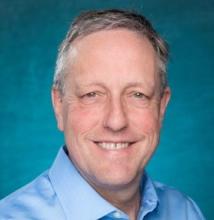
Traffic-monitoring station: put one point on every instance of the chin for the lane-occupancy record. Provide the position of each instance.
(117, 181)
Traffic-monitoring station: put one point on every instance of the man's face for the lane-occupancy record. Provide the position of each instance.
(111, 112)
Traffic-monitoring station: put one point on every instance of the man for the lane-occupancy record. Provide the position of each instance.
(109, 95)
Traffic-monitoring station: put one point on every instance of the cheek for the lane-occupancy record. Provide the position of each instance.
(81, 119)
(146, 121)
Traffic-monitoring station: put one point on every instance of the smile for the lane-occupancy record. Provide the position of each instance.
(113, 146)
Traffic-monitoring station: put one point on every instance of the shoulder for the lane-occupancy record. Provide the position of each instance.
(177, 202)
(35, 198)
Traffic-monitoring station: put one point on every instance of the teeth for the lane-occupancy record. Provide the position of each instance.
(113, 146)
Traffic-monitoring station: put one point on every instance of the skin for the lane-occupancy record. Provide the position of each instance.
(112, 95)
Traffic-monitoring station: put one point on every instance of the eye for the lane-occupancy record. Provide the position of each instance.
(90, 95)
(139, 95)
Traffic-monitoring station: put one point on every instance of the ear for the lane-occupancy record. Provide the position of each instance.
(164, 102)
(58, 108)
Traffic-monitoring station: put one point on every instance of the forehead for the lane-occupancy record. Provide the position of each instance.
(112, 40)
(121, 52)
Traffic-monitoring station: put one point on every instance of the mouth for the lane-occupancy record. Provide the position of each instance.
(114, 145)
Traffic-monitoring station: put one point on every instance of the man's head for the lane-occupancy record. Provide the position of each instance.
(109, 95)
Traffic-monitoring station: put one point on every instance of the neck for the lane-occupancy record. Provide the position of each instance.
(128, 204)
(125, 198)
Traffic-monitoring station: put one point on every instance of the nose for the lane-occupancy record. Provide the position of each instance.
(116, 117)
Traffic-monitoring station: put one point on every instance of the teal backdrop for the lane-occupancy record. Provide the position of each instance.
(30, 32)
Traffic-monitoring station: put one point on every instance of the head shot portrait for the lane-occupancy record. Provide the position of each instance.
(110, 94)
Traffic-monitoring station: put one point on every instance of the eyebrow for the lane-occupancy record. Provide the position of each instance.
(134, 84)
(78, 86)
(129, 85)
(139, 84)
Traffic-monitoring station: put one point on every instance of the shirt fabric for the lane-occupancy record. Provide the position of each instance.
(61, 193)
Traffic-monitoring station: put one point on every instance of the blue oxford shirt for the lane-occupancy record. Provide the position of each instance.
(62, 194)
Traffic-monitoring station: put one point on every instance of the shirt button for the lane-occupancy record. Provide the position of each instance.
(117, 215)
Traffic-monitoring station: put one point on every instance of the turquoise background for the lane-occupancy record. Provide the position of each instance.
(30, 32)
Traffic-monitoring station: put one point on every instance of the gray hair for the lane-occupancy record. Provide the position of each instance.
(94, 21)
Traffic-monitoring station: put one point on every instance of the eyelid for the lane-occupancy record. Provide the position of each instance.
(136, 92)
(92, 94)
(139, 94)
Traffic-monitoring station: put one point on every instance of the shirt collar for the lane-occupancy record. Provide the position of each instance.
(149, 198)
(80, 201)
